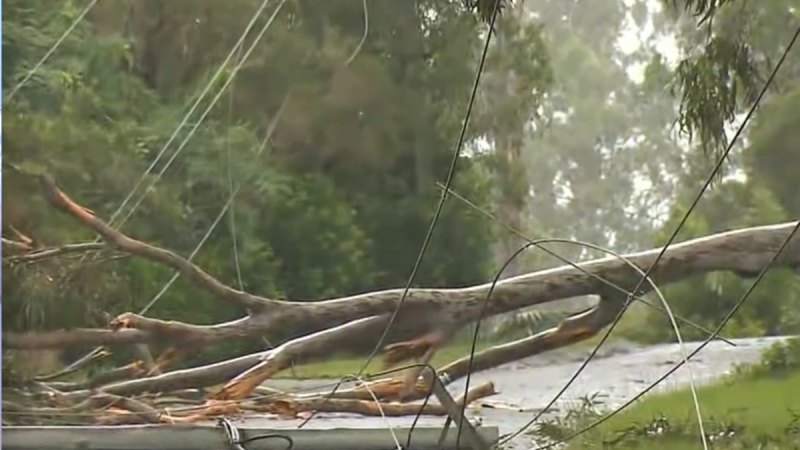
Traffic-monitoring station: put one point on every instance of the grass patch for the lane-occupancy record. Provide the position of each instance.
(737, 413)
(337, 367)
(756, 408)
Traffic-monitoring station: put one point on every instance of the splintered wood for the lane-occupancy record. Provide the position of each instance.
(154, 391)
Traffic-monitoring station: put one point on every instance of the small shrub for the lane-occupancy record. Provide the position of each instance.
(779, 359)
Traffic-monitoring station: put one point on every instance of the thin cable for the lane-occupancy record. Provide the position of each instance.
(262, 437)
(270, 130)
(538, 243)
(176, 274)
(232, 195)
(52, 50)
(222, 212)
(231, 198)
(363, 36)
(708, 340)
(422, 406)
(692, 206)
(230, 187)
(237, 443)
(437, 212)
(380, 409)
(185, 119)
(576, 266)
(206, 112)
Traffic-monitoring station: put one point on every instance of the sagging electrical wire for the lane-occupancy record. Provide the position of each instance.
(51, 50)
(363, 36)
(380, 410)
(705, 186)
(678, 365)
(229, 161)
(267, 136)
(237, 46)
(440, 205)
(576, 266)
(237, 443)
(538, 243)
(239, 43)
(205, 113)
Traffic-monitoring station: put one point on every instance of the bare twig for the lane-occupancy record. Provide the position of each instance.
(53, 252)
(133, 246)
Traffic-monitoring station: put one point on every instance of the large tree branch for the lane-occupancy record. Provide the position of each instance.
(743, 251)
(129, 328)
(571, 330)
(428, 316)
(60, 200)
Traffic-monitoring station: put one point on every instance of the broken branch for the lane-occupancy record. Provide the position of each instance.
(60, 200)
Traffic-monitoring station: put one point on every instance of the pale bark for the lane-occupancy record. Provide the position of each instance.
(425, 321)
(744, 251)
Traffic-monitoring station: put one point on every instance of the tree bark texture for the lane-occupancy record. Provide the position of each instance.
(313, 330)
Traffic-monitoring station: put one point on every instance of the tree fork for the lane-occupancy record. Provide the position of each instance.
(352, 322)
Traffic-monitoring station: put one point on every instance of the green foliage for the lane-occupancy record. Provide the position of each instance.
(725, 59)
(772, 306)
(337, 204)
(750, 413)
(486, 8)
(713, 84)
(705, 9)
(315, 234)
(780, 359)
(771, 159)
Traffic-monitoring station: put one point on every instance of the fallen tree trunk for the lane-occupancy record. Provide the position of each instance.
(355, 323)
(744, 251)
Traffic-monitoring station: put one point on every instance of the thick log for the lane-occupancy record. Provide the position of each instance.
(355, 323)
(573, 329)
(292, 406)
(742, 251)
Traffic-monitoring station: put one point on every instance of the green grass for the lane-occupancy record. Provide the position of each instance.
(337, 366)
(764, 412)
(344, 365)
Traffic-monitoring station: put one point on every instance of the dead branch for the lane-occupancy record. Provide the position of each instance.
(95, 355)
(53, 252)
(60, 200)
(571, 330)
(427, 318)
(743, 251)
(299, 350)
(201, 376)
(128, 328)
(12, 246)
(293, 406)
(128, 371)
